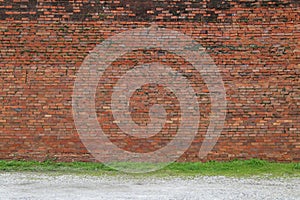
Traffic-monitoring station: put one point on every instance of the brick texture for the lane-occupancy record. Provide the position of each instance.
(254, 43)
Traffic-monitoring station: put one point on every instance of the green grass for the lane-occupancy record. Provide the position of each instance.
(236, 168)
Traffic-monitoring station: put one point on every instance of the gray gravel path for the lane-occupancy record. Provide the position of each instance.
(27, 186)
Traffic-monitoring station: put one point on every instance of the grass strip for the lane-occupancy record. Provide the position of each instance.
(235, 168)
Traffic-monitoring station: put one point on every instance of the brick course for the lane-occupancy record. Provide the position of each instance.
(254, 43)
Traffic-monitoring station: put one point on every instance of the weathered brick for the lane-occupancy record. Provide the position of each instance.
(255, 45)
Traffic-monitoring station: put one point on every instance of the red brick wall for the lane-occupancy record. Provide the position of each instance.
(255, 44)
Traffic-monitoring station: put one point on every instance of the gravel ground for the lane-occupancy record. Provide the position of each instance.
(50, 186)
